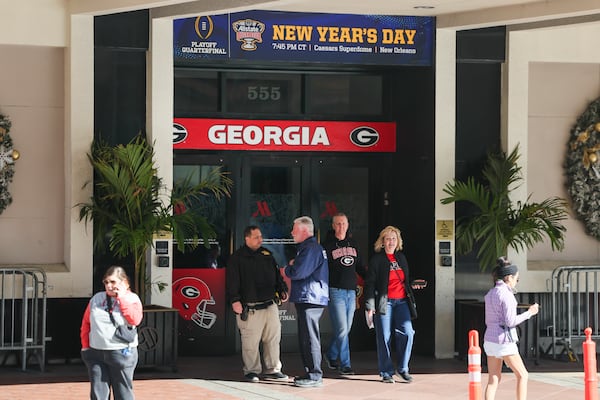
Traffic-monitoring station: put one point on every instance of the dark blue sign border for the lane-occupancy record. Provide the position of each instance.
(305, 37)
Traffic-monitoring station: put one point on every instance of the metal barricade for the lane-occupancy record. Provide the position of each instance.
(575, 306)
(23, 314)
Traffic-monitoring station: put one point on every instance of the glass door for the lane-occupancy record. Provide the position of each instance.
(273, 195)
(272, 200)
(344, 186)
(345, 189)
(199, 272)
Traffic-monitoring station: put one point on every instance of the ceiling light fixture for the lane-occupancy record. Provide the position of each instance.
(424, 7)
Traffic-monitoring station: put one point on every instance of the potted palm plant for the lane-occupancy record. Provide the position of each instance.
(129, 204)
(497, 223)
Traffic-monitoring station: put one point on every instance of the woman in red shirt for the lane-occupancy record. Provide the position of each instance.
(387, 296)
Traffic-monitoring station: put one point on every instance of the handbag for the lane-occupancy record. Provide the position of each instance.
(410, 300)
(124, 333)
(412, 306)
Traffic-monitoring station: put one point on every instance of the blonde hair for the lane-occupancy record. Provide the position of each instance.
(388, 229)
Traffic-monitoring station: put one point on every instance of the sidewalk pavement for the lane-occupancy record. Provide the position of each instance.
(220, 378)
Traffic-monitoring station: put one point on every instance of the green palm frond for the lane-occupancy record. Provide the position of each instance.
(126, 207)
(502, 173)
(495, 223)
(471, 191)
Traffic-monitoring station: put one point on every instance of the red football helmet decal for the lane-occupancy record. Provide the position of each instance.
(191, 296)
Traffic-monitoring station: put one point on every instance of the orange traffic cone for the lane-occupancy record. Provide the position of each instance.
(589, 366)
(474, 366)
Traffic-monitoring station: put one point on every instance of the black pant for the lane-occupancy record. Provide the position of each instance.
(309, 338)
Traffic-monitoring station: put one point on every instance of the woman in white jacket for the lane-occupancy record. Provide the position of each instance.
(111, 360)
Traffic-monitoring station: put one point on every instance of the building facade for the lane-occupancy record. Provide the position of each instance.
(50, 78)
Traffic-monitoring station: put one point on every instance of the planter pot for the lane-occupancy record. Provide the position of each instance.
(469, 314)
(157, 336)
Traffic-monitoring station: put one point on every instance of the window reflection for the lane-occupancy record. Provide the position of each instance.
(211, 255)
(274, 203)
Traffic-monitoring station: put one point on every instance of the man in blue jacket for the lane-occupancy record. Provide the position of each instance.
(310, 293)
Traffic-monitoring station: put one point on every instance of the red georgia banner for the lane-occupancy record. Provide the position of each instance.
(269, 135)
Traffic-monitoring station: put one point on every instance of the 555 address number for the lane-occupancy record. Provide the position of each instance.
(264, 93)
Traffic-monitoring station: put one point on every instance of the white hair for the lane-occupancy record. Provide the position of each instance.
(308, 222)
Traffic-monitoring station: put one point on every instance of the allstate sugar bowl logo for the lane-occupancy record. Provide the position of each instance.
(249, 32)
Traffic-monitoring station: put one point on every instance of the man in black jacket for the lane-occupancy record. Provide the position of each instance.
(254, 288)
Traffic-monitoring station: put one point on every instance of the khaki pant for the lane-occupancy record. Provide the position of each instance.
(262, 326)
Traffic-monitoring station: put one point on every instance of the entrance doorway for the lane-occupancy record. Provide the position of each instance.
(270, 191)
(276, 190)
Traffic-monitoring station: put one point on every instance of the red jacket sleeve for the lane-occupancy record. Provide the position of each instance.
(131, 308)
(85, 328)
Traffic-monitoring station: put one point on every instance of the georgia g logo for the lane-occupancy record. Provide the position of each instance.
(179, 133)
(347, 261)
(364, 136)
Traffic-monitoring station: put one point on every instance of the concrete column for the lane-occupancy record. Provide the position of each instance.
(160, 132)
(515, 118)
(79, 124)
(445, 111)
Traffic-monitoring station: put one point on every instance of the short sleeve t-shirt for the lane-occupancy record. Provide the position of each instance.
(396, 280)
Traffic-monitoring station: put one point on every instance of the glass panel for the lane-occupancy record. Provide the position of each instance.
(262, 93)
(344, 94)
(346, 189)
(274, 203)
(196, 92)
(215, 212)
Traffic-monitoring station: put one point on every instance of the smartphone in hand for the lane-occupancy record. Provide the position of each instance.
(418, 284)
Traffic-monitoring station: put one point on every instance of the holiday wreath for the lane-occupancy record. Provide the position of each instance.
(7, 157)
(582, 167)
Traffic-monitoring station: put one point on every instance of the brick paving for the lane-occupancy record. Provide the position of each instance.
(220, 378)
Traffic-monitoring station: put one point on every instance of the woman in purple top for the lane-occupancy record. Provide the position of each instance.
(501, 319)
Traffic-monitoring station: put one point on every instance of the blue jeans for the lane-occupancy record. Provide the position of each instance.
(397, 317)
(342, 304)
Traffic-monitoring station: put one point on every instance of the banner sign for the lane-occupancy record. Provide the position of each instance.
(305, 37)
(275, 135)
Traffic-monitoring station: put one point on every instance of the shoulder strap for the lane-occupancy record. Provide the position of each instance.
(395, 270)
(109, 309)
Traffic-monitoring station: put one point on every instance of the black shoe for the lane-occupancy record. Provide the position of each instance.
(252, 377)
(331, 364)
(387, 379)
(346, 371)
(307, 382)
(406, 376)
(276, 375)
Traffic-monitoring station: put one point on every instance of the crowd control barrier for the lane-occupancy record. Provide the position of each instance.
(23, 310)
(575, 306)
